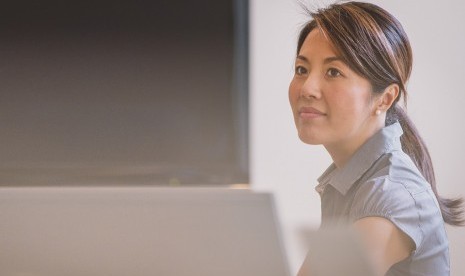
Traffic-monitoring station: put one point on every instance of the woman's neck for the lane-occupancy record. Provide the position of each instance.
(342, 151)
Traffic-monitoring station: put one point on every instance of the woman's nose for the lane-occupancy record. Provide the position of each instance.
(311, 87)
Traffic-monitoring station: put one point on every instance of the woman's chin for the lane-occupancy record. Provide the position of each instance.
(309, 139)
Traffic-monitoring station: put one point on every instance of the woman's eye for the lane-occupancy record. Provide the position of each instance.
(333, 73)
(299, 70)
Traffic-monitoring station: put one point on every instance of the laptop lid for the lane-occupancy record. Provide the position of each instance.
(72, 231)
(336, 250)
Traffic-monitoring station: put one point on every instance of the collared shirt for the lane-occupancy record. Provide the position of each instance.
(380, 180)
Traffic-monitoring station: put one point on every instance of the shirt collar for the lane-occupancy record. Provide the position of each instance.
(384, 141)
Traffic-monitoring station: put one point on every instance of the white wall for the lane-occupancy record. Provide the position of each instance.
(282, 164)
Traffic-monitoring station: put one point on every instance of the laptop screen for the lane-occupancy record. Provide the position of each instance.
(138, 231)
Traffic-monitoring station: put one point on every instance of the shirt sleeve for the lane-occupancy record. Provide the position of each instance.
(382, 197)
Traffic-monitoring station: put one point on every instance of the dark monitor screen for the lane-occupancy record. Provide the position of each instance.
(123, 92)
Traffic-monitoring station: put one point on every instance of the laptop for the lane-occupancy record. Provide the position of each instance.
(77, 231)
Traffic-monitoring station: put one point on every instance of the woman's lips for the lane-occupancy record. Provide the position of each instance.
(310, 113)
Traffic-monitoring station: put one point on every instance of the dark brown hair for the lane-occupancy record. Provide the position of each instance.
(373, 44)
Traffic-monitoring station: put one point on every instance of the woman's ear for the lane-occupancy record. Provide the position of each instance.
(390, 94)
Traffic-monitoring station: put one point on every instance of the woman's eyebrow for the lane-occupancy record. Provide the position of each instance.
(302, 58)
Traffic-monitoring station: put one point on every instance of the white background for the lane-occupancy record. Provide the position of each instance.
(280, 163)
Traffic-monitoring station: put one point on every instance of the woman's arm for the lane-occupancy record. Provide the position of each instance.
(386, 244)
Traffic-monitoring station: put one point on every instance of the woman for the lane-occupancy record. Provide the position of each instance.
(353, 62)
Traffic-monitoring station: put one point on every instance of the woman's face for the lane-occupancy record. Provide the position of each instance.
(331, 104)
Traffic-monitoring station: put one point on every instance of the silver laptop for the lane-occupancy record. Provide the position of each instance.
(52, 231)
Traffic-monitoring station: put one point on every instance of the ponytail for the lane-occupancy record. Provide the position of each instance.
(413, 145)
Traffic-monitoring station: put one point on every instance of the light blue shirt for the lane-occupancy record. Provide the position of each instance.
(380, 180)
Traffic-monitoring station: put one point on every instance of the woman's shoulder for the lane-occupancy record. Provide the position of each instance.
(400, 194)
(395, 173)
(394, 186)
